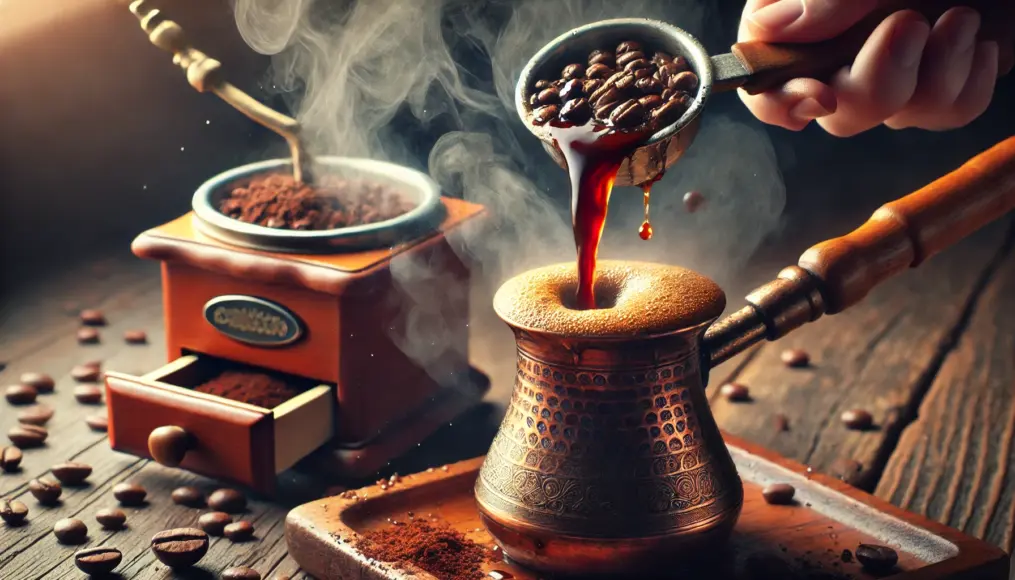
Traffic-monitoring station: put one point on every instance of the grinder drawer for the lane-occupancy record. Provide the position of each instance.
(160, 416)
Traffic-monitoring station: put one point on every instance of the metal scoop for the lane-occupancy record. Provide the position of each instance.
(753, 66)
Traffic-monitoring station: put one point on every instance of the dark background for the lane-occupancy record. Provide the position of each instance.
(101, 137)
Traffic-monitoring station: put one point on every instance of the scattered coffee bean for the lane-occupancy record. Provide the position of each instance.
(43, 383)
(38, 415)
(214, 523)
(98, 422)
(188, 496)
(13, 512)
(693, 201)
(88, 394)
(71, 473)
(27, 436)
(240, 531)
(778, 493)
(781, 423)
(45, 491)
(98, 561)
(129, 494)
(20, 394)
(88, 335)
(240, 573)
(10, 459)
(795, 358)
(847, 470)
(94, 364)
(735, 392)
(227, 500)
(86, 373)
(70, 531)
(135, 337)
(111, 519)
(93, 317)
(847, 556)
(180, 548)
(857, 419)
(877, 559)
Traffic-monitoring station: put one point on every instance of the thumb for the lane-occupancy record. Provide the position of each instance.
(806, 20)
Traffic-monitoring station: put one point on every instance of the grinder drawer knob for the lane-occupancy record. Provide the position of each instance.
(169, 444)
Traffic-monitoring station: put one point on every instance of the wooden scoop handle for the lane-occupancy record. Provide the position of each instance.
(904, 233)
(771, 65)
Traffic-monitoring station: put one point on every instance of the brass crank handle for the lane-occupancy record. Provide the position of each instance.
(838, 273)
(764, 66)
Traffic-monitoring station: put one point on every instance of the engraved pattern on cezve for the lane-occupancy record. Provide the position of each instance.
(581, 444)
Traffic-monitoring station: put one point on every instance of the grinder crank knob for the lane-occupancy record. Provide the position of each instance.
(169, 444)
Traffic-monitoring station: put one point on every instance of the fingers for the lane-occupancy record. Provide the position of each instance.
(793, 106)
(883, 77)
(801, 20)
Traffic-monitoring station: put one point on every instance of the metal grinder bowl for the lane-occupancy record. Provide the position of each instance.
(668, 143)
(415, 186)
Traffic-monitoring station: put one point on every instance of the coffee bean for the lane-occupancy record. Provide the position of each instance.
(679, 65)
(857, 419)
(37, 415)
(643, 73)
(85, 373)
(636, 65)
(685, 81)
(649, 86)
(661, 58)
(13, 512)
(795, 358)
(625, 84)
(545, 114)
(10, 459)
(46, 492)
(650, 101)
(669, 113)
(781, 423)
(572, 90)
(735, 392)
(71, 473)
(214, 523)
(98, 422)
(180, 548)
(43, 383)
(188, 496)
(877, 559)
(846, 556)
(604, 97)
(70, 531)
(87, 335)
(93, 364)
(111, 519)
(135, 337)
(604, 57)
(693, 201)
(240, 531)
(240, 573)
(598, 71)
(227, 500)
(590, 86)
(572, 71)
(27, 436)
(628, 46)
(550, 96)
(847, 470)
(576, 111)
(129, 494)
(20, 394)
(628, 57)
(88, 394)
(92, 317)
(629, 114)
(778, 493)
(603, 113)
(540, 85)
(98, 561)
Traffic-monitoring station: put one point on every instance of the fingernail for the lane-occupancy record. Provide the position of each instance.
(906, 46)
(807, 110)
(965, 31)
(775, 17)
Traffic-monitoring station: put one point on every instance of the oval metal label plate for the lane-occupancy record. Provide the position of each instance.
(253, 320)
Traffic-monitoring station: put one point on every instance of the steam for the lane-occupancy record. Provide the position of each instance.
(349, 68)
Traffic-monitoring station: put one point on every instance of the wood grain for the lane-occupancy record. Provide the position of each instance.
(956, 462)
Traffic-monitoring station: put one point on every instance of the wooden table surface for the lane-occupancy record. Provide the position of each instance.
(931, 354)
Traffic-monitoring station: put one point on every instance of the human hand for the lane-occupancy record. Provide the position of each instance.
(908, 73)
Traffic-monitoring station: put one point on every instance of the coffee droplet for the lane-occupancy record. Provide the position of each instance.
(645, 231)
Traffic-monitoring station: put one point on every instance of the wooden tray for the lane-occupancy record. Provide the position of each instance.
(829, 517)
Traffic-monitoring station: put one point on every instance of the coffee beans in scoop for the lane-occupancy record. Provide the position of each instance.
(129, 494)
(181, 547)
(42, 383)
(13, 512)
(70, 531)
(98, 561)
(630, 87)
(227, 500)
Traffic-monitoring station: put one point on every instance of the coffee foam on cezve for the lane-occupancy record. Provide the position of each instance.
(636, 298)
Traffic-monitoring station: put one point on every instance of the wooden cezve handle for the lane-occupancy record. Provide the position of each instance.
(771, 65)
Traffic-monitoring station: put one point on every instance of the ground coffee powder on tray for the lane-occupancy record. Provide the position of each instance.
(279, 201)
(251, 387)
(432, 546)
